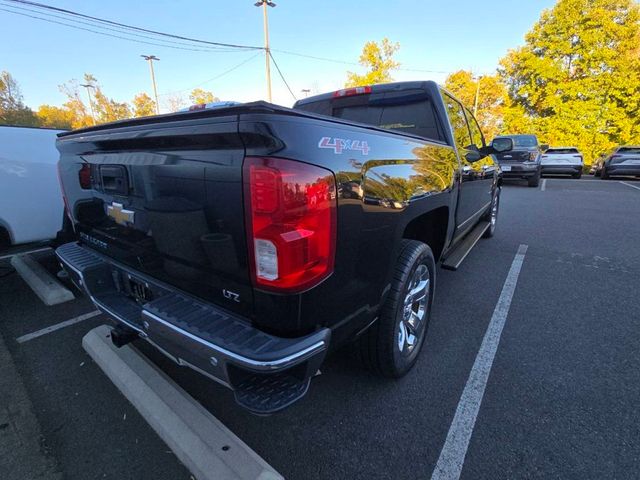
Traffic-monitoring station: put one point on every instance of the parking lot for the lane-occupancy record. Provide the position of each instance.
(562, 398)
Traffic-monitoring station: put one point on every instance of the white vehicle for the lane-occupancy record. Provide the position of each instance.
(31, 205)
(562, 161)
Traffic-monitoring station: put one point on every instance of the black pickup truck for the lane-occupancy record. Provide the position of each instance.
(247, 242)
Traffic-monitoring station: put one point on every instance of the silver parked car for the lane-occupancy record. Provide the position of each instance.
(562, 161)
(624, 160)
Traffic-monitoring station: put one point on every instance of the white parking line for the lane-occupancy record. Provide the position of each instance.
(629, 185)
(453, 452)
(58, 326)
(544, 185)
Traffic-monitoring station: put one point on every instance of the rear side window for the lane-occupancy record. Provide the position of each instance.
(557, 151)
(628, 150)
(409, 112)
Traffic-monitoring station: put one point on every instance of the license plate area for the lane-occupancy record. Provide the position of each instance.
(505, 168)
(133, 287)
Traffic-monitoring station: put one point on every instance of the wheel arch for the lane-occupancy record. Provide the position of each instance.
(430, 228)
(6, 239)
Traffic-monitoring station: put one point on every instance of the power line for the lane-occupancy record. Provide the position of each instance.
(103, 33)
(345, 62)
(282, 76)
(214, 78)
(180, 37)
(120, 30)
(132, 27)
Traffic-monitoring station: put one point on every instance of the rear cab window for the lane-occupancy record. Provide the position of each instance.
(408, 111)
(562, 151)
(629, 151)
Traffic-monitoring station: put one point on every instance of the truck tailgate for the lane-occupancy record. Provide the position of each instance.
(166, 200)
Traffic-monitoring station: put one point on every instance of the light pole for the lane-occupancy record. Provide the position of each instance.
(88, 86)
(475, 104)
(150, 59)
(264, 4)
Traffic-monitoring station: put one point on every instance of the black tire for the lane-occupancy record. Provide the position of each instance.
(577, 175)
(379, 349)
(604, 175)
(495, 201)
(535, 180)
(5, 239)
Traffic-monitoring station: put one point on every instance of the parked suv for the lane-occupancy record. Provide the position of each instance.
(524, 160)
(562, 160)
(623, 161)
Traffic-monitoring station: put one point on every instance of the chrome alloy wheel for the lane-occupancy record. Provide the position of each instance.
(414, 311)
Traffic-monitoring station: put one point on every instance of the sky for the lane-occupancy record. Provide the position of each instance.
(437, 37)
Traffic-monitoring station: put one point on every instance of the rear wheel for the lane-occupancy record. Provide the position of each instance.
(391, 345)
(492, 215)
(577, 175)
(604, 175)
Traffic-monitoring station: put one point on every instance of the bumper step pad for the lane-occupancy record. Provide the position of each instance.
(267, 394)
(266, 372)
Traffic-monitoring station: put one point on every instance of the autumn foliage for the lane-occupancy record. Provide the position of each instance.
(574, 82)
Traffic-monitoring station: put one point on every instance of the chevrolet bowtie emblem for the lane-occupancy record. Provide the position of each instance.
(121, 215)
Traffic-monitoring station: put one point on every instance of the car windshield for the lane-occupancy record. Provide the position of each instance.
(525, 141)
(558, 151)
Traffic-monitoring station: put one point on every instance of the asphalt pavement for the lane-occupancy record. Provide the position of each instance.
(562, 398)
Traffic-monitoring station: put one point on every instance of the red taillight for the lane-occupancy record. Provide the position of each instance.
(197, 106)
(291, 223)
(84, 176)
(347, 92)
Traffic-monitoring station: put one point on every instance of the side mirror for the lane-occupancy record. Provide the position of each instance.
(473, 156)
(544, 147)
(501, 145)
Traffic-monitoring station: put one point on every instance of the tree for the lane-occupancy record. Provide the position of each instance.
(143, 106)
(175, 103)
(104, 109)
(378, 59)
(12, 109)
(576, 81)
(80, 112)
(55, 117)
(200, 96)
(491, 98)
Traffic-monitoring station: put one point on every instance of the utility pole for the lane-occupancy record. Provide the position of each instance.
(306, 92)
(88, 86)
(475, 105)
(150, 59)
(264, 4)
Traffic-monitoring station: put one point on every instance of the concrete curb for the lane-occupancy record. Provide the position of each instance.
(205, 446)
(45, 286)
